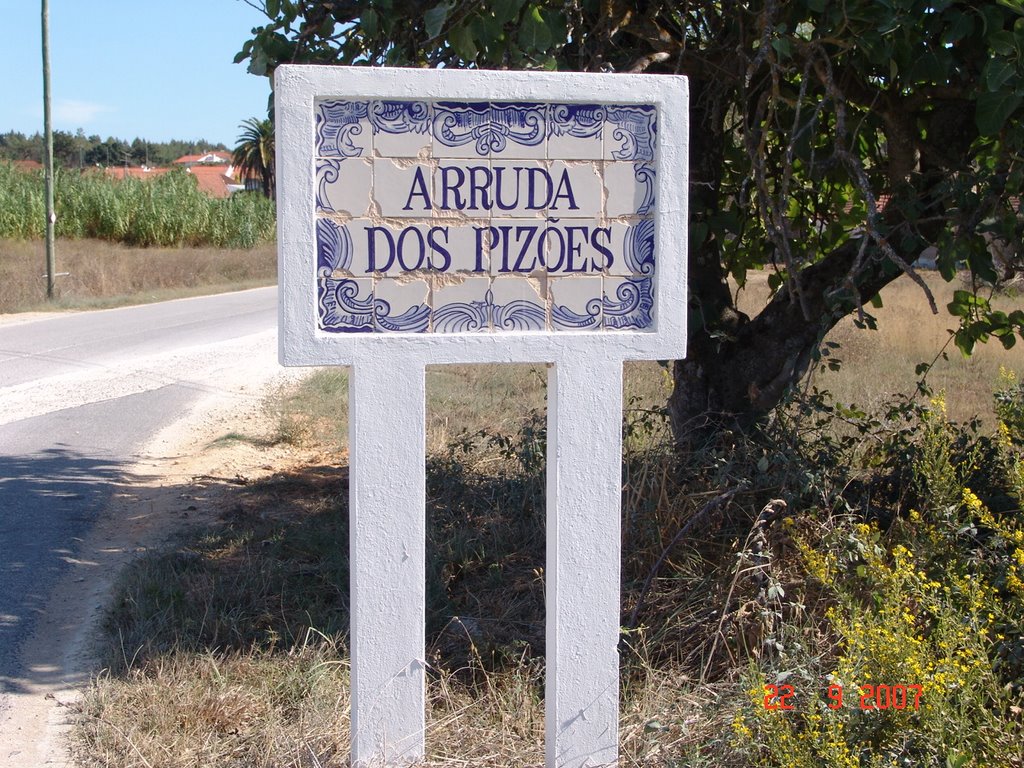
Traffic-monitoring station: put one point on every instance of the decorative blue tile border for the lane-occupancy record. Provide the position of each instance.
(346, 305)
(333, 248)
(565, 319)
(413, 320)
(337, 123)
(419, 155)
(634, 130)
(581, 121)
(639, 247)
(487, 128)
(646, 175)
(631, 305)
(400, 116)
(517, 315)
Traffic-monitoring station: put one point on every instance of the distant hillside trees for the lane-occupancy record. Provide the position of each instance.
(76, 150)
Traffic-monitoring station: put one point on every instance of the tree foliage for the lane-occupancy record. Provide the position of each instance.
(832, 141)
(254, 153)
(76, 150)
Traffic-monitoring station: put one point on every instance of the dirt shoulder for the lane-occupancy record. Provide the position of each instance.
(178, 483)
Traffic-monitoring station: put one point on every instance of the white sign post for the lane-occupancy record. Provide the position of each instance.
(428, 217)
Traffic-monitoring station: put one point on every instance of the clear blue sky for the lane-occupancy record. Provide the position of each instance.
(152, 69)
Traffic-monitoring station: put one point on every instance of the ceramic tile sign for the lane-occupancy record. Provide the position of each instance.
(430, 217)
(482, 216)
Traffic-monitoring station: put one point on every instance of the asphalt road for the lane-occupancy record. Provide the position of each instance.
(80, 394)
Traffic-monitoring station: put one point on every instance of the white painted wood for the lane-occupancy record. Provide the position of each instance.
(387, 508)
(584, 469)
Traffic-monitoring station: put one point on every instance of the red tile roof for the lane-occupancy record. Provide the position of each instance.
(217, 158)
(27, 165)
(215, 180)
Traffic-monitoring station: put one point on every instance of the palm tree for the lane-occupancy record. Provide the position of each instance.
(254, 153)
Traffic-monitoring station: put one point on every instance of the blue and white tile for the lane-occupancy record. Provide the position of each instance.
(401, 128)
(335, 248)
(630, 133)
(401, 306)
(576, 247)
(403, 189)
(463, 187)
(576, 131)
(462, 307)
(633, 248)
(629, 188)
(343, 129)
(480, 129)
(519, 130)
(345, 305)
(520, 188)
(343, 186)
(468, 246)
(461, 129)
(577, 189)
(576, 303)
(517, 246)
(386, 249)
(518, 305)
(628, 304)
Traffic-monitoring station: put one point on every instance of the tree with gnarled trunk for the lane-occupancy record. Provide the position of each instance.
(832, 141)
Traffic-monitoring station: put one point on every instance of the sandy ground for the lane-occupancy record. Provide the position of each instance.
(168, 489)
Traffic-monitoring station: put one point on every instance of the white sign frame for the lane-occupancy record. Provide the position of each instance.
(387, 419)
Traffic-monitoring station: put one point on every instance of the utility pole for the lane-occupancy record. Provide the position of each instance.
(51, 216)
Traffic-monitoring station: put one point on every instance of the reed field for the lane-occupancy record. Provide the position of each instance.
(168, 211)
(866, 538)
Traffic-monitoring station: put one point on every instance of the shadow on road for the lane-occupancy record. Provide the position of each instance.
(49, 501)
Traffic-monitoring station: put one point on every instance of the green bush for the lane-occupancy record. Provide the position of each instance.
(928, 603)
(169, 210)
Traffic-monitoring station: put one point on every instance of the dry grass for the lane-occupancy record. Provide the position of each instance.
(230, 651)
(103, 274)
(462, 400)
(877, 364)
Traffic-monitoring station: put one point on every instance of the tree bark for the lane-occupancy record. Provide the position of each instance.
(735, 375)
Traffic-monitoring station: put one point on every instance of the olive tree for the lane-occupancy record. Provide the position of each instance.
(832, 142)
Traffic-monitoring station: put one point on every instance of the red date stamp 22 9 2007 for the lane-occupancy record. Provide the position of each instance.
(779, 697)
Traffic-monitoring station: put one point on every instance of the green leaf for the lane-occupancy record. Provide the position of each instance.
(243, 54)
(992, 18)
(1017, 6)
(273, 8)
(534, 33)
(997, 72)
(506, 10)
(782, 47)
(369, 22)
(993, 110)
(959, 29)
(1001, 41)
(461, 39)
(435, 18)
